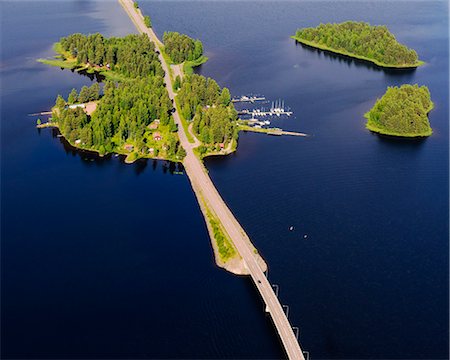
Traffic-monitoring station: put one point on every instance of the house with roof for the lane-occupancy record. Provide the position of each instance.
(157, 136)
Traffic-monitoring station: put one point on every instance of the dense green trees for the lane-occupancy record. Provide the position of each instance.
(177, 83)
(131, 56)
(210, 108)
(181, 47)
(147, 21)
(86, 94)
(122, 116)
(402, 111)
(360, 39)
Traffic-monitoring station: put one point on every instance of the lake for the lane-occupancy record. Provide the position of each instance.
(106, 260)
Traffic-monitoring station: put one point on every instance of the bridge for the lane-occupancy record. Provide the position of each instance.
(206, 191)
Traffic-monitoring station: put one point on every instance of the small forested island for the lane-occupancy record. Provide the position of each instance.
(402, 111)
(181, 48)
(362, 41)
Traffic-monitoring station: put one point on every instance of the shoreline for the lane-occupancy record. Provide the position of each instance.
(358, 57)
(76, 147)
(70, 63)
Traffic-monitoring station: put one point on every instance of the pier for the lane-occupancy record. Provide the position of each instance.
(272, 112)
(250, 99)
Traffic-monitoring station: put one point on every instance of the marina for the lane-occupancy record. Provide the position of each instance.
(277, 109)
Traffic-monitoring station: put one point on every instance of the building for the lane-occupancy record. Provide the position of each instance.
(154, 125)
(74, 106)
(128, 147)
(157, 136)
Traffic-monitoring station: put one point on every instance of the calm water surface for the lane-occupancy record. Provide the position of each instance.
(102, 259)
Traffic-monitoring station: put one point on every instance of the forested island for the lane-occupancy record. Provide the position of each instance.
(182, 49)
(133, 116)
(402, 111)
(362, 41)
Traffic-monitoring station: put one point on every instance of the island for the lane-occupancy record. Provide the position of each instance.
(402, 111)
(360, 40)
(133, 117)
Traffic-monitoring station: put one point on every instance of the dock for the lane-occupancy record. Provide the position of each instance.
(272, 112)
(41, 113)
(282, 132)
(251, 99)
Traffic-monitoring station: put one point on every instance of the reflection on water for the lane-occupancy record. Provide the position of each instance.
(90, 157)
(403, 142)
(341, 58)
(93, 76)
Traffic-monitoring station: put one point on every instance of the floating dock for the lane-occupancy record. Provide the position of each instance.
(251, 99)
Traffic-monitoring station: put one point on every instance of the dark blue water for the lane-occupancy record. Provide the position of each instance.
(371, 279)
(100, 259)
(106, 260)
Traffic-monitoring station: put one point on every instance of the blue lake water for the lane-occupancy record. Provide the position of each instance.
(106, 260)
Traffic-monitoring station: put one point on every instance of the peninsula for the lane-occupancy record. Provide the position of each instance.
(402, 111)
(360, 40)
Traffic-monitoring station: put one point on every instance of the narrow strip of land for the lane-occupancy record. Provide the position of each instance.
(206, 191)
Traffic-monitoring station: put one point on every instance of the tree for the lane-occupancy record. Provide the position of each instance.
(177, 83)
(181, 47)
(38, 122)
(147, 21)
(181, 153)
(225, 97)
(136, 5)
(60, 102)
(73, 97)
(84, 95)
(94, 91)
(198, 49)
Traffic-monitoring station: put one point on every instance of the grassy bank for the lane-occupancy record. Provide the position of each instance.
(65, 60)
(188, 66)
(223, 245)
(243, 127)
(345, 53)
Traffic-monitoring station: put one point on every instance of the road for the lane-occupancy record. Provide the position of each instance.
(204, 187)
